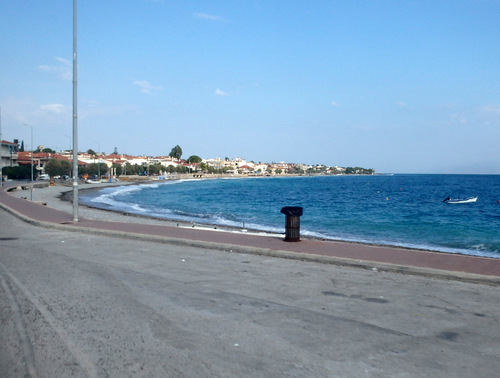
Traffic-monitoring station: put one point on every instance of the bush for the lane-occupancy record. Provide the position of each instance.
(21, 172)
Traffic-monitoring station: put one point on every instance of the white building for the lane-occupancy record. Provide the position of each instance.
(8, 154)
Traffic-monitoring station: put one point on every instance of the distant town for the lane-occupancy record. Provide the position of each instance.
(47, 163)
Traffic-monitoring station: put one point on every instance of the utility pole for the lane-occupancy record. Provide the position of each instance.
(1, 154)
(75, 121)
(31, 154)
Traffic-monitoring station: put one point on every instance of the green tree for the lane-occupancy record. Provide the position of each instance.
(57, 167)
(154, 169)
(96, 169)
(45, 150)
(194, 159)
(118, 169)
(181, 169)
(90, 151)
(126, 170)
(134, 169)
(176, 152)
(204, 167)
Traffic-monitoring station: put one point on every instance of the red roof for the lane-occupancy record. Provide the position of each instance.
(24, 157)
(10, 143)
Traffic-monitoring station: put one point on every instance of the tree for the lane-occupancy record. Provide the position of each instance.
(181, 169)
(297, 170)
(130, 169)
(194, 159)
(95, 169)
(57, 167)
(118, 169)
(44, 150)
(91, 152)
(176, 152)
(155, 169)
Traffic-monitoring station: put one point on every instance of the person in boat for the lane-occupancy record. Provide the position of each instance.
(447, 199)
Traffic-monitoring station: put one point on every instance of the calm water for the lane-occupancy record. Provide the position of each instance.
(402, 210)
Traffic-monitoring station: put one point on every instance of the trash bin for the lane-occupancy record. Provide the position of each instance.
(292, 226)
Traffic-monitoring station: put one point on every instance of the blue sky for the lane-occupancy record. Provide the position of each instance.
(407, 86)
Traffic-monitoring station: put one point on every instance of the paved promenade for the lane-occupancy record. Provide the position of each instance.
(445, 265)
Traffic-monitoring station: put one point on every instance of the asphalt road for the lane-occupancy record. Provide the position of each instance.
(74, 304)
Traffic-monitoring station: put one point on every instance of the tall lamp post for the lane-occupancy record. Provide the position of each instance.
(31, 154)
(1, 152)
(75, 119)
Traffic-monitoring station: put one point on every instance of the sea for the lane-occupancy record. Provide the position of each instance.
(404, 210)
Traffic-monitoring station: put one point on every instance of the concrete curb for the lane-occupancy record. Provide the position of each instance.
(233, 248)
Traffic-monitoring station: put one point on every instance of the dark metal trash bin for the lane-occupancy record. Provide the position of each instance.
(292, 226)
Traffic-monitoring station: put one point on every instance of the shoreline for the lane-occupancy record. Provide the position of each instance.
(57, 214)
(64, 196)
(68, 197)
(61, 196)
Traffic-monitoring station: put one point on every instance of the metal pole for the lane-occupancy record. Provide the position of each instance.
(32, 150)
(75, 123)
(1, 152)
(31, 154)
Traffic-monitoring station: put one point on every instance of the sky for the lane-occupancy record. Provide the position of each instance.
(400, 86)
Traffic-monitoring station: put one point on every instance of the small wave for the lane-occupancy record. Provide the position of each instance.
(477, 250)
(107, 196)
(421, 224)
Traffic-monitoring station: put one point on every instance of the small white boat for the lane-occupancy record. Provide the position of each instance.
(456, 200)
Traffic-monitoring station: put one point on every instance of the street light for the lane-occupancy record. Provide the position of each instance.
(1, 153)
(31, 183)
(75, 118)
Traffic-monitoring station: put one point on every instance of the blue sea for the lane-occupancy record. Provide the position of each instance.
(397, 210)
